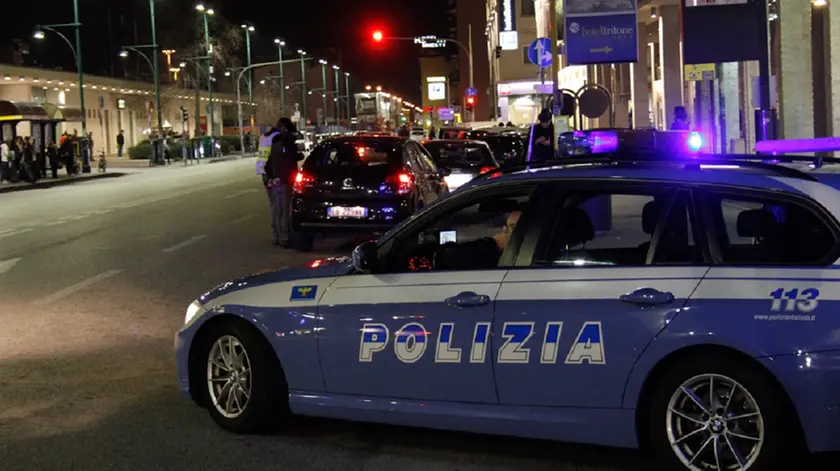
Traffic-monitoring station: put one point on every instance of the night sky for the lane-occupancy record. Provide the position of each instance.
(334, 29)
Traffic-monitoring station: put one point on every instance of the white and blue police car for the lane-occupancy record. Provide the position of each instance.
(679, 302)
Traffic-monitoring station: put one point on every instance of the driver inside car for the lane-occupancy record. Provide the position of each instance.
(480, 254)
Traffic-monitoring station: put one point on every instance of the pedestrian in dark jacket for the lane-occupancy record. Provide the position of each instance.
(281, 169)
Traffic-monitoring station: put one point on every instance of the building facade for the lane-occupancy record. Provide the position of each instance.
(113, 105)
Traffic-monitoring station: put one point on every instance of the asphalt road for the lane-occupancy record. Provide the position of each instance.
(94, 281)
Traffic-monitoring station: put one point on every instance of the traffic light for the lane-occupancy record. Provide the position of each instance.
(470, 103)
(184, 114)
(378, 36)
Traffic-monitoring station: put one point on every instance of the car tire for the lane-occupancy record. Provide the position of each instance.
(257, 394)
(741, 390)
(302, 242)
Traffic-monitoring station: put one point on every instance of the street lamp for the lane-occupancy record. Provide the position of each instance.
(206, 12)
(304, 97)
(280, 44)
(77, 54)
(337, 95)
(248, 30)
(347, 96)
(155, 70)
(324, 88)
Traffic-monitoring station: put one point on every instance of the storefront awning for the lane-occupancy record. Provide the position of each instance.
(63, 113)
(22, 111)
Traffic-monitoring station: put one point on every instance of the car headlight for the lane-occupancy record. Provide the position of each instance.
(194, 310)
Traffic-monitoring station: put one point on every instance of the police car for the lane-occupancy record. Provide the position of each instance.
(680, 302)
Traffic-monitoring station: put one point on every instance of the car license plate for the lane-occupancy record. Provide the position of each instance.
(345, 212)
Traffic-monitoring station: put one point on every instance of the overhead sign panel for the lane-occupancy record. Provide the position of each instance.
(508, 37)
(601, 31)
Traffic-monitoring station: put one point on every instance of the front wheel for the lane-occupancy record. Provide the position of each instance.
(720, 414)
(244, 381)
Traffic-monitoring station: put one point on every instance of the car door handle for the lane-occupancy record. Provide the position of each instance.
(468, 299)
(647, 297)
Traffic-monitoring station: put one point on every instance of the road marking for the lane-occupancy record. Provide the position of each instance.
(243, 219)
(240, 193)
(7, 265)
(22, 231)
(63, 293)
(183, 244)
(55, 223)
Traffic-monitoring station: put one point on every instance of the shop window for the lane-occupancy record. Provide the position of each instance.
(525, 59)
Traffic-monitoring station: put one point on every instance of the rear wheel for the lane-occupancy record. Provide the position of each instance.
(302, 242)
(720, 414)
(244, 382)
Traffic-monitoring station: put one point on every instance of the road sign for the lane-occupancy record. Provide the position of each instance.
(697, 72)
(601, 31)
(471, 92)
(539, 52)
(446, 114)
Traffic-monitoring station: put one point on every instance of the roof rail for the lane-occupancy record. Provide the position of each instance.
(696, 161)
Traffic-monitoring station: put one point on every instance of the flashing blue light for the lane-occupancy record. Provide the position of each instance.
(695, 141)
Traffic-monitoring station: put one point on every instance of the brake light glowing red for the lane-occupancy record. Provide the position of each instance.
(487, 169)
(404, 182)
(301, 180)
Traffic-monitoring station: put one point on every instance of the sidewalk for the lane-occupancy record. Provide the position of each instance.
(62, 180)
(116, 168)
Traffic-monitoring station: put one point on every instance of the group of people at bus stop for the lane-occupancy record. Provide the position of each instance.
(22, 159)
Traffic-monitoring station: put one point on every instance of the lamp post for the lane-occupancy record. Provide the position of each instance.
(347, 95)
(208, 50)
(280, 43)
(337, 96)
(248, 30)
(154, 66)
(77, 54)
(303, 94)
(324, 88)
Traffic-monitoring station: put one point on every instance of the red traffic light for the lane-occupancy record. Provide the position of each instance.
(378, 36)
(471, 101)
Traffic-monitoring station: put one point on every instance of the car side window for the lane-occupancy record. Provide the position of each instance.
(427, 158)
(602, 229)
(677, 243)
(469, 236)
(767, 231)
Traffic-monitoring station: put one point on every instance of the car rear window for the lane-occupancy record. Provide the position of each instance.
(459, 155)
(367, 152)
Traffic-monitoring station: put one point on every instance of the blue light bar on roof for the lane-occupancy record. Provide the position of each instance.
(798, 146)
(607, 141)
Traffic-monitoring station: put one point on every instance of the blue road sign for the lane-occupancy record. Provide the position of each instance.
(539, 52)
(607, 39)
(601, 31)
(471, 92)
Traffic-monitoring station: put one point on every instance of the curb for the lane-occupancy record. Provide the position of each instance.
(43, 184)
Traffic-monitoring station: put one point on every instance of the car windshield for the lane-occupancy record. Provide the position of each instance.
(357, 152)
(460, 155)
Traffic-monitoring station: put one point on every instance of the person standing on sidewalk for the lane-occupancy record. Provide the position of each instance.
(5, 156)
(281, 168)
(120, 144)
(266, 142)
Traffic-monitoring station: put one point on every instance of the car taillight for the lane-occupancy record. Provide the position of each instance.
(487, 169)
(403, 182)
(301, 180)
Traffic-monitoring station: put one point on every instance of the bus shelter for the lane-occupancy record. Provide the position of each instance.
(43, 118)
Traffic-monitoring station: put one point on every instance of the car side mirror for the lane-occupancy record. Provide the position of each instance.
(364, 257)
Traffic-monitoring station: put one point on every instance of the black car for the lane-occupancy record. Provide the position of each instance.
(508, 148)
(361, 183)
(463, 159)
